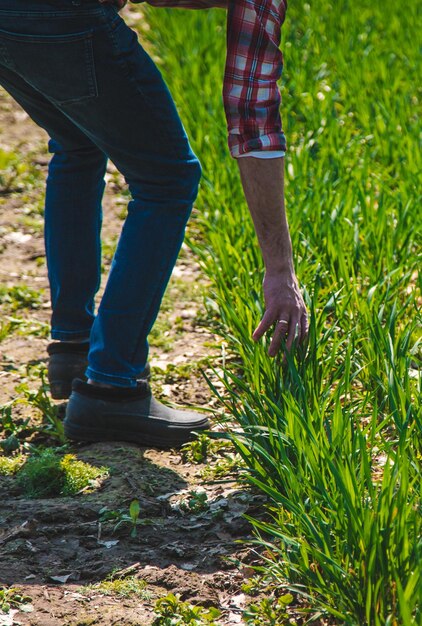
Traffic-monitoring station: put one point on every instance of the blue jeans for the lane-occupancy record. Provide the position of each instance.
(80, 73)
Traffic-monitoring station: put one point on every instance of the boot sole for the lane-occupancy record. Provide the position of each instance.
(78, 433)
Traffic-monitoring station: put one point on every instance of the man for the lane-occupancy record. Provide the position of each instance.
(80, 73)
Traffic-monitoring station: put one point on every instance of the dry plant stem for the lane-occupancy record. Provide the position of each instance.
(263, 185)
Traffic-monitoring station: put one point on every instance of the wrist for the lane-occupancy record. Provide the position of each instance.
(285, 271)
(277, 262)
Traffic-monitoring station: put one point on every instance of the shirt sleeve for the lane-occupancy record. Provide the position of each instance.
(253, 66)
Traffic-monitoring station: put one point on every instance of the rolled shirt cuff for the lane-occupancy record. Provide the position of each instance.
(239, 144)
(268, 154)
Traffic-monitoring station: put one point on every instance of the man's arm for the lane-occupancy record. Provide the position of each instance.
(263, 185)
(252, 104)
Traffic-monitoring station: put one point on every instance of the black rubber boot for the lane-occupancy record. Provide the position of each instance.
(120, 414)
(68, 361)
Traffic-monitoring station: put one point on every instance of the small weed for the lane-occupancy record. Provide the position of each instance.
(121, 517)
(11, 597)
(171, 611)
(269, 612)
(196, 502)
(11, 168)
(48, 474)
(256, 585)
(173, 373)
(108, 249)
(25, 328)
(200, 449)
(34, 208)
(40, 400)
(161, 336)
(123, 587)
(10, 444)
(9, 326)
(34, 225)
(224, 467)
(13, 428)
(20, 297)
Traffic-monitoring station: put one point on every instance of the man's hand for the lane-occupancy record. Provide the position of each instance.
(284, 308)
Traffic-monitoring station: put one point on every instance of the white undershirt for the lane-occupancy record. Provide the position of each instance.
(264, 154)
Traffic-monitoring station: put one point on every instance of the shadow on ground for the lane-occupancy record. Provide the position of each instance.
(47, 543)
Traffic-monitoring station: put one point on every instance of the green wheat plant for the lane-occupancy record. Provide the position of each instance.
(333, 436)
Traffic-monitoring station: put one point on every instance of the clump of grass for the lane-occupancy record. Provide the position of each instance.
(10, 465)
(80, 475)
(124, 587)
(49, 474)
(41, 476)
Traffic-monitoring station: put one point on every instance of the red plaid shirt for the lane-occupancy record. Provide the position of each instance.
(253, 66)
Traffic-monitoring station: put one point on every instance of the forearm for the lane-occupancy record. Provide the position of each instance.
(263, 185)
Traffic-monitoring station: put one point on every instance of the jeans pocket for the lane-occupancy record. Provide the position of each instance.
(61, 67)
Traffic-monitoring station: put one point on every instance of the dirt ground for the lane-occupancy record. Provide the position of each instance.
(55, 550)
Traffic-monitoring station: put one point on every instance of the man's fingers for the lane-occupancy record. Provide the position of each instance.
(290, 329)
(263, 326)
(294, 333)
(280, 332)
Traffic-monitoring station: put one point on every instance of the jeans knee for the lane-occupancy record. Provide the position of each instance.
(186, 184)
(194, 176)
(173, 184)
(181, 186)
